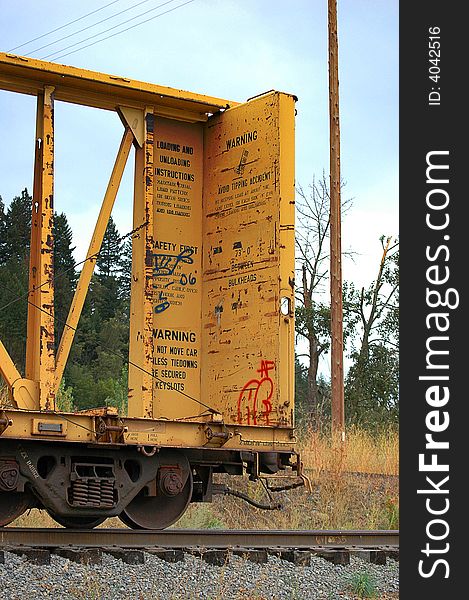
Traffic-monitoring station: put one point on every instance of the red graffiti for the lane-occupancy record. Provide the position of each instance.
(256, 390)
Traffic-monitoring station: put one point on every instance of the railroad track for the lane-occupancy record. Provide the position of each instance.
(214, 546)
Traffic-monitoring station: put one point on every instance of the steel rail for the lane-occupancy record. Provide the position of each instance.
(195, 538)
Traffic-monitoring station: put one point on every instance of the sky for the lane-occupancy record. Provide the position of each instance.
(232, 49)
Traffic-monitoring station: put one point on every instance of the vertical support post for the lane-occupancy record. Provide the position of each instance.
(40, 355)
(337, 366)
(34, 314)
(141, 345)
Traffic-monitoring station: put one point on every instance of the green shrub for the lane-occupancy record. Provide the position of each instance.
(363, 585)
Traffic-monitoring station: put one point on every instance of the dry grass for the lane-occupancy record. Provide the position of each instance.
(40, 518)
(361, 453)
(354, 487)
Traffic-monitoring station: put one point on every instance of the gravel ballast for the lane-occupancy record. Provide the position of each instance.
(190, 579)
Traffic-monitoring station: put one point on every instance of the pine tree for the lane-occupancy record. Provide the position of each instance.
(13, 309)
(108, 263)
(65, 276)
(94, 373)
(126, 276)
(15, 228)
(101, 342)
(105, 286)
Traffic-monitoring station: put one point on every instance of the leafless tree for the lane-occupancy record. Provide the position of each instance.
(312, 259)
(374, 312)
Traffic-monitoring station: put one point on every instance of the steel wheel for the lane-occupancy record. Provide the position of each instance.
(157, 512)
(78, 522)
(13, 505)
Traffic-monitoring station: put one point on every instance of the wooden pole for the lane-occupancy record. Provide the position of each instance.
(337, 365)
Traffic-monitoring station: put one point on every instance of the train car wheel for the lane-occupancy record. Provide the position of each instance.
(78, 522)
(13, 505)
(157, 512)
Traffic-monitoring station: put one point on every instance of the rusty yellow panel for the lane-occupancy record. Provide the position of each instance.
(209, 435)
(177, 269)
(34, 425)
(248, 262)
(287, 244)
(78, 427)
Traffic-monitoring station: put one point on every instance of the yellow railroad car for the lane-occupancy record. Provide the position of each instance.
(211, 348)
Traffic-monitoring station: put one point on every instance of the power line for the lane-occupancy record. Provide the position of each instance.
(114, 34)
(63, 26)
(62, 273)
(123, 358)
(105, 347)
(92, 25)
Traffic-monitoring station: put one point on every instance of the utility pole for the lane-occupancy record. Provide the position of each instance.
(337, 360)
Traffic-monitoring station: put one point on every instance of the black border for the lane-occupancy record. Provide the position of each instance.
(425, 128)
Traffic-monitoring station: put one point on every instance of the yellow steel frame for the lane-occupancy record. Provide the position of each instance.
(32, 398)
(40, 359)
(107, 427)
(89, 88)
(93, 251)
(137, 103)
(141, 301)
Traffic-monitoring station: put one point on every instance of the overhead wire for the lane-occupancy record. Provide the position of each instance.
(114, 34)
(94, 25)
(107, 348)
(65, 324)
(65, 271)
(63, 26)
(122, 357)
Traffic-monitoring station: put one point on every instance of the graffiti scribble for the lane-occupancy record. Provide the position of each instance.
(256, 390)
(165, 264)
(163, 304)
